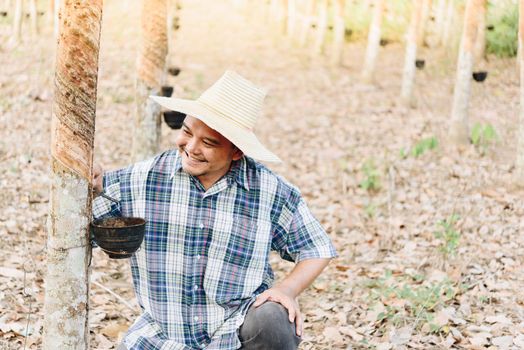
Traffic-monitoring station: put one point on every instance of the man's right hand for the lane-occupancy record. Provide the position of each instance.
(98, 177)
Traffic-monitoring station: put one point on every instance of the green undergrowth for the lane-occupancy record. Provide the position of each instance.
(401, 300)
(502, 28)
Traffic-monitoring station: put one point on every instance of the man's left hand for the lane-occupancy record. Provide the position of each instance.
(287, 300)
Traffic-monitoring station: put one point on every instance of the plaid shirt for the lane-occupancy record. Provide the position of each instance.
(205, 255)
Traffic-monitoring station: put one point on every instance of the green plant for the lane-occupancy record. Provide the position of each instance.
(421, 147)
(371, 180)
(410, 300)
(449, 234)
(482, 136)
(370, 210)
(502, 33)
(424, 145)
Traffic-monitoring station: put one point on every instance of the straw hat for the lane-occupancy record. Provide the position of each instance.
(231, 106)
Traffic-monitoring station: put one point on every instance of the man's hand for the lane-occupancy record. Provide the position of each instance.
(287, 300)
(97, 180)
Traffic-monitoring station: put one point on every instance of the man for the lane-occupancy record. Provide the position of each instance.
(202, 277)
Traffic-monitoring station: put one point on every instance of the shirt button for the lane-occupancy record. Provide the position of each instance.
(201, 225)
(198, 257)
(195, 318)
(195, 287)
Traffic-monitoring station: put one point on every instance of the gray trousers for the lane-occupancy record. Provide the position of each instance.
(266, 327)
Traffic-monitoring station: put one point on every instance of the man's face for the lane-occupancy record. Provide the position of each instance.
(205, 153)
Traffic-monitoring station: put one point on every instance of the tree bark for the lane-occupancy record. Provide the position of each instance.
(440, 20)
(73, 126)
(34, 18)
(339, 31)
(459, 131)
(321, 27)
(448, 24)
(17, 23)
(291, 18)
(56, 28)
(50, 15)
(480, 41)
(426, 10)
(151, 67)
(408, 75)
(519, 174)
(373, 42)
(306, 23)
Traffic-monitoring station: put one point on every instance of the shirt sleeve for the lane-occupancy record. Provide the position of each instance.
(104, 208)
(300, 236)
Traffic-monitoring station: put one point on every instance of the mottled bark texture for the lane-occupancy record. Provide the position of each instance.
(73, 127)
(459, 132)
(519, 174)
(34, 18)
(408, 75)
(373, 42)
(151, 67)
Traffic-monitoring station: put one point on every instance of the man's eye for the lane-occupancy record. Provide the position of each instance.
(186, 131)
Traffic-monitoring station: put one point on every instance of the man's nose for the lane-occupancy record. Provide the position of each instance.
(192, 146)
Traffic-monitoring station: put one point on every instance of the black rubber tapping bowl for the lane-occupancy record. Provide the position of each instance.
(119, 237)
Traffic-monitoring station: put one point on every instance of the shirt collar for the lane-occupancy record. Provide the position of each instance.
(238, 171)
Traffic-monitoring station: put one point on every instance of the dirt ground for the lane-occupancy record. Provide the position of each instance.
(394, 284)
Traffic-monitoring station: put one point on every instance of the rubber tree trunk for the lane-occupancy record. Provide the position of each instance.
(151, 67)
(34, 18)
(480, 40)
(339, 31)
(408, 75)
(291, 18)
(56, 28)
(50, 15)
(459, 132)
(519, 174)
(17, 22)
(426, 10)
(373, 42)
(440, 14)
(73, 127)
(306, 22)
(449, 21)
(321, 27)
(172, 12)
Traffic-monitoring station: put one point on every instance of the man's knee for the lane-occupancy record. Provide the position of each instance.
(268, 327)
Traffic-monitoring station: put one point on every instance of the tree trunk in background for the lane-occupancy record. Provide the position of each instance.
(339, 31)
(448, 24)
(34, 18)
(306, 22)
(291, 18)
(321, 27)
(480, 40)
(151, 66)
(171, 14)
(519, 173)
(459, 132)
(373, 42)
(408, 75)
(17, 23)
(440, 19)
(50, 15)
(56, 28)
(426, 10)
(73, 128)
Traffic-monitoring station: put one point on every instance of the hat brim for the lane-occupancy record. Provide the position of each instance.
(240, 136)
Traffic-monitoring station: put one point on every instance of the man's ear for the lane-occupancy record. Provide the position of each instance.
(237, 154)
